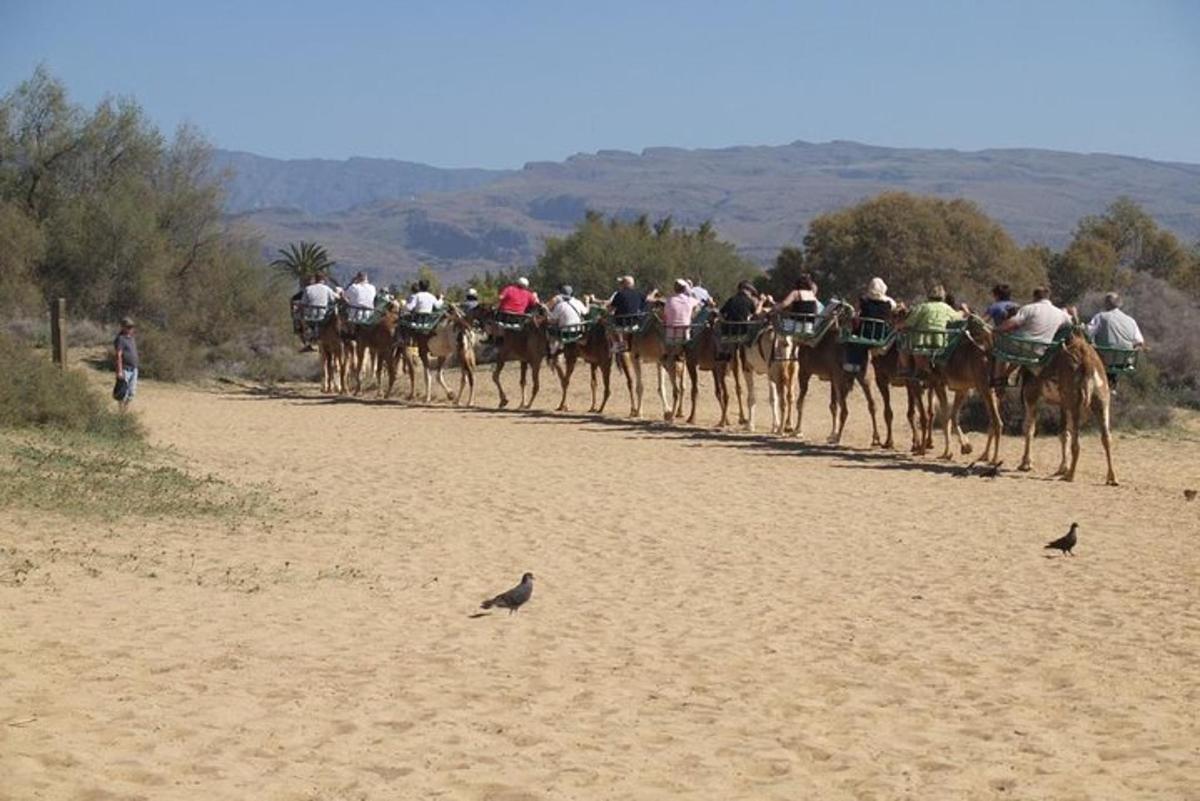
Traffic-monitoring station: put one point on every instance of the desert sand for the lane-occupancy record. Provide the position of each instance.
(716, 615)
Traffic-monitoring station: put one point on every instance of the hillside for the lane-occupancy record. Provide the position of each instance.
(759, 197)
(317, 186)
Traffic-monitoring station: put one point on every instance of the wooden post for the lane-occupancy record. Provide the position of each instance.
(58, 330)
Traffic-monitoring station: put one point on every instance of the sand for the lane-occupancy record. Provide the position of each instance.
(716, 616)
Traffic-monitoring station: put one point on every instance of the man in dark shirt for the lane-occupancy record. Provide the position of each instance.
(126, 355)
(627, 301)
(742, 305)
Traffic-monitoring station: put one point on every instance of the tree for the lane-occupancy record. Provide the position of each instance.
(912, 242)
(304, 260)
(1137, 243)
(780, 279)
(592, 257)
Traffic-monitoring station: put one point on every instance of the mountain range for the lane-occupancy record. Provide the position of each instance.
(391, 216)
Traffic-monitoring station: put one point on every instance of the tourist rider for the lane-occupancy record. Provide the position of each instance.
(423, 301)
(801, 300)
(471, 300)
(1113, 328)
(679, 309)
(928, 320)
(698, 292)
(1038, 321)
(361, 293)
(1003, 306)
(517, 298)
(742, 306)
(873, 305)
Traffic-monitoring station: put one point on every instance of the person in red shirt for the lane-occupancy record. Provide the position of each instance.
(517, 298)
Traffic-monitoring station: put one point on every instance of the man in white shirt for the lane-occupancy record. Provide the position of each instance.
(566, 309)
(423, 301)
(1039, 320)
(360, 293)
(699, 293)
(318, 294)
(1113, 328)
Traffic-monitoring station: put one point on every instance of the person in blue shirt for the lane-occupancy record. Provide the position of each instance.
(1002, 306)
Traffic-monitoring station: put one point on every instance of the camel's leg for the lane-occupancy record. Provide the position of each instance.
(441, 377)
(721, 388)
(536, 369)
(751, 400)
(524, 376)
(861, 378)
(802, 387)
(1029, 426)
(386, 361)
(775, 399)
(637, 377)
(1064, 438)
(960, 397)
(837, 409)
(735, 368)
(941, 417)
(466, 373)
(496, 379)
(1100, 406)
(885, 397)
(424, 353)
(662, 386)
(564, 371)
(625, 362)
(606, 379)
(693, 371)
(358, 352)
(1073, 428)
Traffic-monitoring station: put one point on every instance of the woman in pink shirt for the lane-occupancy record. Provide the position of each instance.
(678, 311)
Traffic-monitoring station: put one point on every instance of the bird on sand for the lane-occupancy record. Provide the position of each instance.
(514, 598)
(991, 471)
(1190, 494)
(1067, 541)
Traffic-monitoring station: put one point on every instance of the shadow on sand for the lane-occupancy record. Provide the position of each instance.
(767, 444)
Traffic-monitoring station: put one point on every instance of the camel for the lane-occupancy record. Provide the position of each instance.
(378, 341)
(885, 364)
(704, 354)
(767, 355)
(825, 358)
(967, 367)
(596, 350)
(528, 345)
(333, 349)
(1074, 380)
(647, 344)
(452, 335)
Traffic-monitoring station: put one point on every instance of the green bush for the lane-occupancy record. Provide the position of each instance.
(37, 393)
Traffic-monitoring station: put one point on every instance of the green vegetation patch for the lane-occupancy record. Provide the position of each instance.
(87, 475)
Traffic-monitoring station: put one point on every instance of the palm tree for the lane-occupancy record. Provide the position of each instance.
(307, 259)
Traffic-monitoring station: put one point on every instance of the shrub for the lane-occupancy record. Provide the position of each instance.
(37, 393)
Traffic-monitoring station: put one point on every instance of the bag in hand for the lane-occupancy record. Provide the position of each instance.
(120, 389)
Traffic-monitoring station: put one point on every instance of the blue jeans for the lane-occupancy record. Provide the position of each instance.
(130, 375)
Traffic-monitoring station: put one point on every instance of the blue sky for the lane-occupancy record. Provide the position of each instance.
(496, 84)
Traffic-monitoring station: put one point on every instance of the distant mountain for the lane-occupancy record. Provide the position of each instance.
(318, 186)
(759, 197)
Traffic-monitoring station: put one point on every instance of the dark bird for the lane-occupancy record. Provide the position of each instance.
(964, 471)
(1189, 494)
(514, 598)
(992, 471)
(1067, 541)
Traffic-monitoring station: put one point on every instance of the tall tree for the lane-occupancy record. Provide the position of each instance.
(912, 242)
(303, 260)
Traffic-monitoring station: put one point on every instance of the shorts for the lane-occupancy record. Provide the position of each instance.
(130, 374)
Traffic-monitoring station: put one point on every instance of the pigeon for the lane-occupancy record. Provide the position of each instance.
(991, 471)
(514, 598)
(1190, 494)
(1066, 542)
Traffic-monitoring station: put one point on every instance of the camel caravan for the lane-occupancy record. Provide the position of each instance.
(936, 354)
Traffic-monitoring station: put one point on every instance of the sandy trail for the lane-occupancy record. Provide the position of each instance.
(716, 616)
